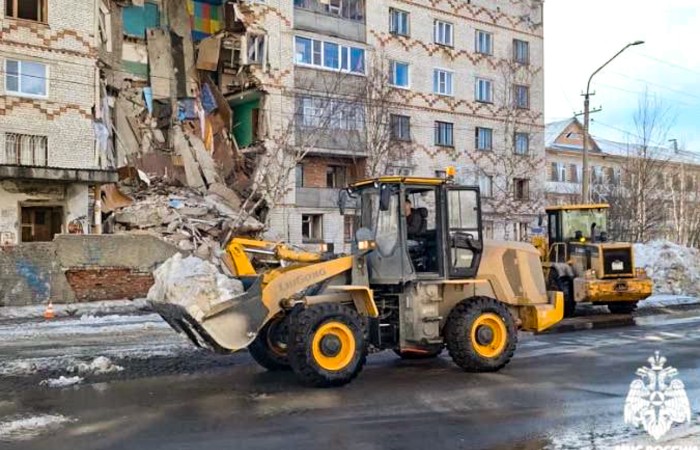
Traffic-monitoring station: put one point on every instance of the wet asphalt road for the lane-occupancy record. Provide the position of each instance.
(561, 391)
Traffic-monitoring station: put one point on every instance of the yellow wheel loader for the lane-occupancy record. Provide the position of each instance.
(579, 260)
(418, 279)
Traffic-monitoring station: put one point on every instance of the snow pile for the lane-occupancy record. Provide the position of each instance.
(97, 308)
(62, 381)
(673, 268)
(98, 366)
(29, 427)
(192, 282)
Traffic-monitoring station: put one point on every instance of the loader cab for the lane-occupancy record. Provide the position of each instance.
(571, 228)
(422, 228)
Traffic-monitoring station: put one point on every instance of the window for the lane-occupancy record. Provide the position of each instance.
(486, 185)
(312, 227)
(26, 150)
(329, 55)
(483, 91)
(484, 42)
(597, 175)
(27, 9)
(443, 32)
(522, 96)
(399, 74)
(348, 227)
(336, 176)
(521, 188)
(256, 49)
(334, 6)
(558, 172)
(520, 230)
(26, 78)
(443, 134)
(317, 112)
(400, 127)
(483, 138)
(442, 82)
(521, 51)
(487, 225)
(398, 22)
(299, 175)
(522, 143)
(574, 174)
(41, 224)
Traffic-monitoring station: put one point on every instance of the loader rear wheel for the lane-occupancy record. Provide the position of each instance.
(480, 334)
(269, 349)
(327, 345)
(565, 285)
(622, 307)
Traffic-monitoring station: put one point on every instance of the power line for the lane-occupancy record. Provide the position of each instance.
(641, 80)
(668, 63)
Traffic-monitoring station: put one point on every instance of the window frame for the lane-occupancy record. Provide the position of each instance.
(436, 82)
(438, 134)
(477, 42)
(437, 34)
(312, 228)
(524, 44)
(489, 183)
(478, 138)
(392, 78)
(396, 119)
(346, 55)
(477, 90)
(516, 97)
(19, 75)
(526, 136)
(42, 13)
(394, 27)
(258, 42)
(526, 189)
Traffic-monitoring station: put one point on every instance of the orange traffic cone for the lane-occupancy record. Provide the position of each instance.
(48, 313)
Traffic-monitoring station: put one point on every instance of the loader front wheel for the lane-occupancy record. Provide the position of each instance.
(480, 334)
(327, 345)
(269, 349)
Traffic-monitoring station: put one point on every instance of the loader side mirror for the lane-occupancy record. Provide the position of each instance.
(384, 198)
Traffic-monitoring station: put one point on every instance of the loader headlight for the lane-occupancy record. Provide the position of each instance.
(366, 245)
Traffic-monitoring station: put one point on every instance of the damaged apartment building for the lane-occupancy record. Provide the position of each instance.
(50, 164)
(349, 88)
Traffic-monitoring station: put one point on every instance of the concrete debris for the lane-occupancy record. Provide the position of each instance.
(192, 282)
(184, 217)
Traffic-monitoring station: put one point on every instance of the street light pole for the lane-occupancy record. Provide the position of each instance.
(585, 189)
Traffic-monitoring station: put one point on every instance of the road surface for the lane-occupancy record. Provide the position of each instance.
(561, 391)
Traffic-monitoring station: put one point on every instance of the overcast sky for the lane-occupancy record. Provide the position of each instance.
(581, 35)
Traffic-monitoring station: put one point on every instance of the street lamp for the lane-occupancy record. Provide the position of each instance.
(585, 192)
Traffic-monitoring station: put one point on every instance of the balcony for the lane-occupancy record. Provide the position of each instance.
(341, 18)
(309, 197)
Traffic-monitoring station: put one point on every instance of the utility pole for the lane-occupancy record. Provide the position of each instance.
(585, 185)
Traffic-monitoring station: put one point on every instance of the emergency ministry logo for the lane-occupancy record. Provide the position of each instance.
(657, 399)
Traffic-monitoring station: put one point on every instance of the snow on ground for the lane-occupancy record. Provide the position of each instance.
(673, 268)
(62, 381)
(24, 428)
(662, 301)
(76, 309)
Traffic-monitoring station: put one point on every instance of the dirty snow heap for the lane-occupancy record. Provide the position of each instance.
(673, 268)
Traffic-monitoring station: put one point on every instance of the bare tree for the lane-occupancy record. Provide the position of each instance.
(512, 163)
(637, 208)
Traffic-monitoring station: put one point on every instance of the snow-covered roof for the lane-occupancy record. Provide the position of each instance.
(553, 130)
(613, 148)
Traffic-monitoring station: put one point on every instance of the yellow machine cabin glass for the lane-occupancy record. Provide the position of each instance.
(582, 220)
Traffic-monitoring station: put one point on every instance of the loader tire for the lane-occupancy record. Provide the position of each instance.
(269, 349)
(622, 307)
(413, 355)
(327, 345)
(565, 285)
(480, 334)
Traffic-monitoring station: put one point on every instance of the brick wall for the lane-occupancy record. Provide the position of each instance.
(315, 169)
(80, 268)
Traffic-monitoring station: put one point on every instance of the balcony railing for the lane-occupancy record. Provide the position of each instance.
(345, 9)
(25, 150)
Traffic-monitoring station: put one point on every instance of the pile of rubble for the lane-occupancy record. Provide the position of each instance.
(194, 222)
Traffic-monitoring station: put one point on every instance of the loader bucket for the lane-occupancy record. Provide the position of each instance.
(223, 327)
